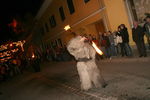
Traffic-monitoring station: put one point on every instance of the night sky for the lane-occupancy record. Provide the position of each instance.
(9, 9)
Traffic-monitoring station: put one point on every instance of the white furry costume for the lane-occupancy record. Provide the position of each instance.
(84, 53)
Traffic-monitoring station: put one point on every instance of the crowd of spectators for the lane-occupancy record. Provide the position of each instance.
(117, 43)
(57, 54)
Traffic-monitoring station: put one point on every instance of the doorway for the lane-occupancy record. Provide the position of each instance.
(100, 27)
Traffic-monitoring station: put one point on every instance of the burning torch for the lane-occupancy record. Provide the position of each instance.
(96, 48)
(93, 45)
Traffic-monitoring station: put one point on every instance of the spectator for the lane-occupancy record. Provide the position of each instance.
(94, 39)
(3, 72)
(147, 29)
(90, 37)
(101, 46)
(66, 55)
(58, 53)
(106, 44)
(138, 38)
(15, 66)
(112, 43)
(126, 49)
(119, 42)
(115, 42)
(36, 62)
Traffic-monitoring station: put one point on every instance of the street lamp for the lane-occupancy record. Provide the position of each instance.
(67, 27)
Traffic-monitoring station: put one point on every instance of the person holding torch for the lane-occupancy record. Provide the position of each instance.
(84, 53)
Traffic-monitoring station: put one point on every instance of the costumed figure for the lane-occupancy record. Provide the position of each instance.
(88, 71)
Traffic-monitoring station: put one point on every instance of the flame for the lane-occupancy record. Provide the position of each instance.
(97, 49)
(67, 27)
(11, 45)
(33, 55)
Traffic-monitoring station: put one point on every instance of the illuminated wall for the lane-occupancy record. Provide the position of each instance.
(142, 7)
(117, 14)
(82, 20)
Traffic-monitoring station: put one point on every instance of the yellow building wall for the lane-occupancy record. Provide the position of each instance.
(82, 10)
(85, 27)
(117, 14)
(88, 29)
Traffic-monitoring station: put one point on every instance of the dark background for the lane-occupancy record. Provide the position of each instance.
(10, 9)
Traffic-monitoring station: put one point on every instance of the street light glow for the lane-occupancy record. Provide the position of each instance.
(67, 27)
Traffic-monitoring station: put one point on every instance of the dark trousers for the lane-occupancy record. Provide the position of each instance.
(126, 49)
(123, 52)
(108, 51)
(148, 40)
(141, 48)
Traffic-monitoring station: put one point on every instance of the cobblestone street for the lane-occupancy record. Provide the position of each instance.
(127, 78)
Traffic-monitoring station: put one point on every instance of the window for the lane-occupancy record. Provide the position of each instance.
(61, 12)
(52, 21)
(86, 1)
(46, 27)
(70, 6)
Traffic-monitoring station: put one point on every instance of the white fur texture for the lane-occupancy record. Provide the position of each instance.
(88, 71)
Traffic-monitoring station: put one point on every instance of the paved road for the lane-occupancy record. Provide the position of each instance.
(127, 78)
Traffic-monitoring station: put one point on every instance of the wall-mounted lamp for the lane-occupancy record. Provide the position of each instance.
(67, 27)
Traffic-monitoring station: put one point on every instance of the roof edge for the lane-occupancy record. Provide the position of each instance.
(43, 8)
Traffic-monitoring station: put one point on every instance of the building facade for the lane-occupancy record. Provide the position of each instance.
(84, 16)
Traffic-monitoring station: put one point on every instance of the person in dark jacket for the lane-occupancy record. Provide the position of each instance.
(138, 38)
(125, 37)
(120, 46)
(106, 44)
(147, 29)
